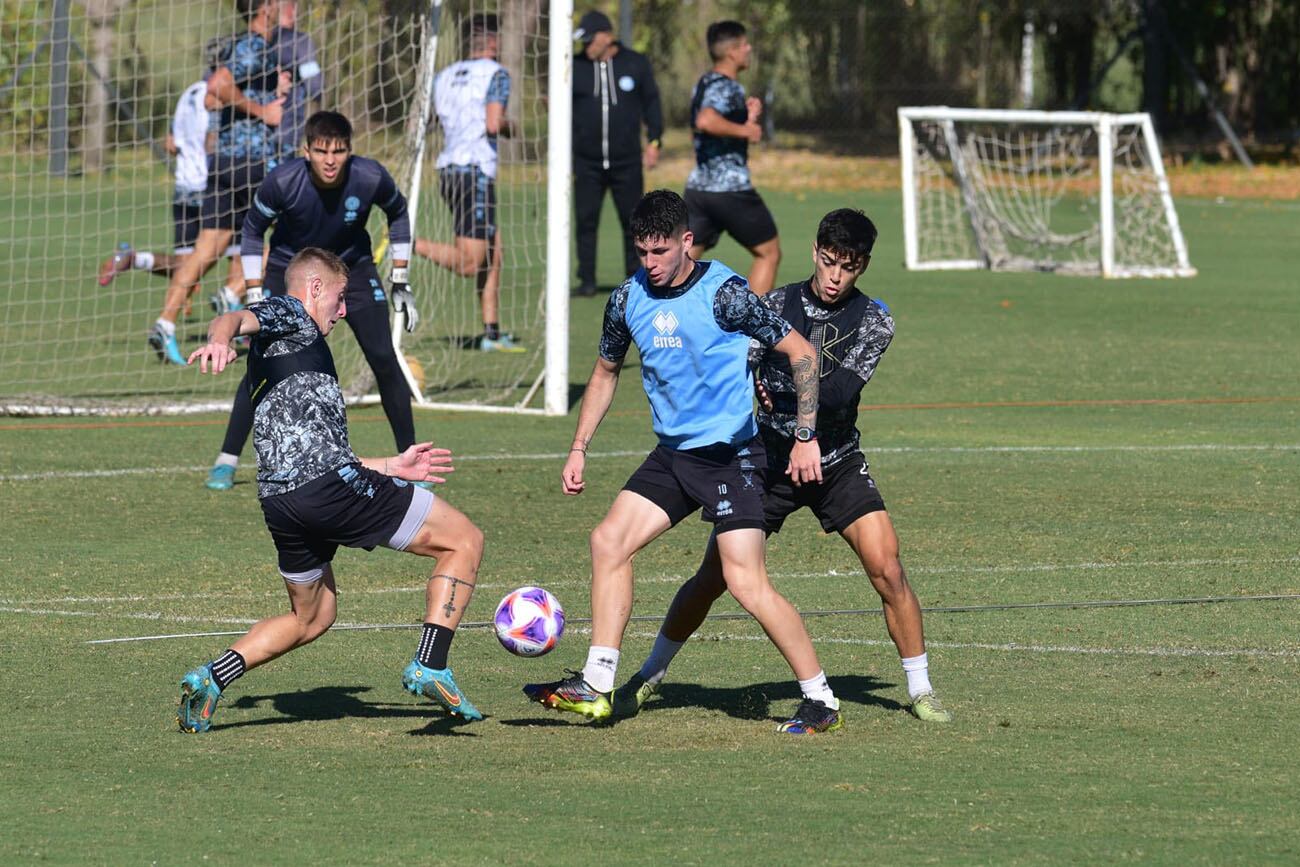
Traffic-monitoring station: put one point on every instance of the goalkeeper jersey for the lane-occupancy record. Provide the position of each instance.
(305, 215)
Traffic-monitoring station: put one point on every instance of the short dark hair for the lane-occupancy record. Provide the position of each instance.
(719, 34)
(847, 232)
(248, 8)
(327, 126)
(480, 23)
(659, 214)
(314, 259)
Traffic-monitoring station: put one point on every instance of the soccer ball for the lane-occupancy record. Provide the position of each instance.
(529, 621)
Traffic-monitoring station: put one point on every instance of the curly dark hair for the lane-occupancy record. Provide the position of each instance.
(847, 232)
(659, 214)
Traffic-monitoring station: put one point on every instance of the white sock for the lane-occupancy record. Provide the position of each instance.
(142, 261)
(818, 689)
(917, 669)
(169, 328)
(229, 295)
(225, 459)
(601, 667)
(661, 655)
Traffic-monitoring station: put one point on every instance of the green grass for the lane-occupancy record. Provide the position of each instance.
(1020, 465)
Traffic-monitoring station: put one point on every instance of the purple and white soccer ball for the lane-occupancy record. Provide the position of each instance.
(529, 621)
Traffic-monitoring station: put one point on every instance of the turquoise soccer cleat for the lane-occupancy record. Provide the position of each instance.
(166, 346)
(439, 685)
(504, 343)
(221, 478)
(199, 697)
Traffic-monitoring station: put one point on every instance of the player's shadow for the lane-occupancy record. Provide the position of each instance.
(335, 703)
(754, 701)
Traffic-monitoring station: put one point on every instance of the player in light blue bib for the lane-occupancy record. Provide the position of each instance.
(692, 323)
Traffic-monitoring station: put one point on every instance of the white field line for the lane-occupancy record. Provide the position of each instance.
(847, 572)
(559, 456)
(1008, 647)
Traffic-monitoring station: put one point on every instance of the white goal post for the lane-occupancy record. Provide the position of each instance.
(1064, 192)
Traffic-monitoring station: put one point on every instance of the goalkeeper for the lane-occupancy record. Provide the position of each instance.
(851, 332)
(323, 199)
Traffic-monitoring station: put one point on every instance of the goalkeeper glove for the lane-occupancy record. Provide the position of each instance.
(253, 295)
(404, 299)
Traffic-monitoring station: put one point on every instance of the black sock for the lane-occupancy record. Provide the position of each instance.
(227, 667)
(434, 644)
(492, 330)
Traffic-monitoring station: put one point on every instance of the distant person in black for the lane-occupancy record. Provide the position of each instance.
(614, 93)
(323, 199)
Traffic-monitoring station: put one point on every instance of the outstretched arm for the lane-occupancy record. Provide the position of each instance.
(419, 463)
(596, 401)
(225, 328)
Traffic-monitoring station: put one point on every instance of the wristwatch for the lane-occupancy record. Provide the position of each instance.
(805, 434)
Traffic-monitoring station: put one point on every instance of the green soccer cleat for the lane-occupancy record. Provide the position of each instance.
(199, 697)
(812, 718)
(439, 685)
(927, 708)
(573, 694)
(629, 697)
(220, 478)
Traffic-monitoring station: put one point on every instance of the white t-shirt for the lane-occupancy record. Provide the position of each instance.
(461, 94)
(189, 130)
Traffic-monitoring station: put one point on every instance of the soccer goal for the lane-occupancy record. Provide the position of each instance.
(1064, 192)
(85, 109)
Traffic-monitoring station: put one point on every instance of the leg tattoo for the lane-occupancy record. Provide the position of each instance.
(450, 608)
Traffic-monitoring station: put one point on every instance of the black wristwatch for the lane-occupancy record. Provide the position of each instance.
(805, 434)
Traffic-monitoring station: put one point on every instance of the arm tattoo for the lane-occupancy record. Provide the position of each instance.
(450, 608)
(804, 372)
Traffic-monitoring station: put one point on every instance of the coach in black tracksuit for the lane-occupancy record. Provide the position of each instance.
(614, 92)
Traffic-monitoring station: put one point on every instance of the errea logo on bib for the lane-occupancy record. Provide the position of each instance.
(666, 324)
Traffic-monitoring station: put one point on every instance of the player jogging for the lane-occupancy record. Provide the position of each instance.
(245, 90)
(851, 332)
(186, 141)
(316, 494)
(323, 199)
(719, 193)
(470, 97)
(691, 322)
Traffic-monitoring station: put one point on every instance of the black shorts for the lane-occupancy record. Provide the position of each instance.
(187, 209)
(472, 197)
(726, 482)
(846, 493)
(352, 506)
(364, 286)
(742, 215)
(232, 184)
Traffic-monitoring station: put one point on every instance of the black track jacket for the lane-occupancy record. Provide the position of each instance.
(610, 102)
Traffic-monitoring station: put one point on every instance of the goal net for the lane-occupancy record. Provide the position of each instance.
(1065, 192)
(84, 114)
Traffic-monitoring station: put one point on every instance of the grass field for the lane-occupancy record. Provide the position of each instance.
(1038, 439)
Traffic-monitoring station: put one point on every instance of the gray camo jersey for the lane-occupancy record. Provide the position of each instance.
(721, 164)
(300, 429)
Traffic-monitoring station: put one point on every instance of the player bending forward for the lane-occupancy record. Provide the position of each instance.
(852, 332)
(691, 322)
(316, 494)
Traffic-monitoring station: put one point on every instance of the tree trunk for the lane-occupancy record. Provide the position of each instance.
(102, 16)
